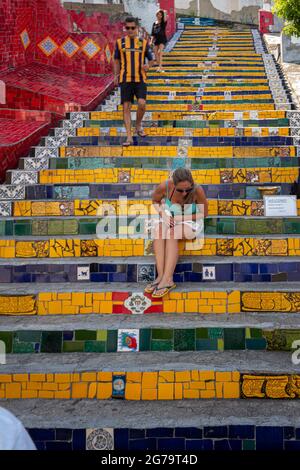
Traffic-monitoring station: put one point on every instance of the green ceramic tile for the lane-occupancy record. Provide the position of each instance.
(162, 333)
(95, 346)
(161, 345)
(255, 332)
(22, 229)
(101, 335)
(51, 341)
(145, 339)
(55, 227)
(234, 338)
(73, 346)
(202, 333)
(7, 338)
(216, 333)
(30, 336)
(257, 343)
(71, 227)
(81, 335)
(248, 445)
(184, 340)
(112, 340)
(39, 227)
(87, 228)
(206, 345)
(22, 348)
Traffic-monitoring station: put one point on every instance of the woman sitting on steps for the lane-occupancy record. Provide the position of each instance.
(181, 206)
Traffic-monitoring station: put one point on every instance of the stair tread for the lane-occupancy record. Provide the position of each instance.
(267, 321)
(273, 362)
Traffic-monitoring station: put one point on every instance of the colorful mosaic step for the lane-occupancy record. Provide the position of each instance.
(186, 439)
(68, 192)
(93, 207)
(80, 246)
(148, 339)
(91, 299)
(148, 381)
(136, 176)
(137, 270)
(122, 225)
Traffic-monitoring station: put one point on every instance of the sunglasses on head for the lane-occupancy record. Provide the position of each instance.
(130, 28)
(185, 190)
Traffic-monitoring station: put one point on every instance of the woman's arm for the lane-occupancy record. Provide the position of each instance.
(159, 193)
(201, 199)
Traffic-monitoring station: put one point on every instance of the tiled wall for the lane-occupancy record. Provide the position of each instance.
(189, 439)
(150, 385)
(165, 339)
(43, 31)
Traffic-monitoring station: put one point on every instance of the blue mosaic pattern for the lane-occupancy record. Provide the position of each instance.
(227, 438)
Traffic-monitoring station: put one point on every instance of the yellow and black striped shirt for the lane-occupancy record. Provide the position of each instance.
(132, 53)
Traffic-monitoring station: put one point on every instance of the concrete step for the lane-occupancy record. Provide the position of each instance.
(262, 321)
(89, 414)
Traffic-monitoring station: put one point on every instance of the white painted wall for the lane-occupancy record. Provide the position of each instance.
(226, 6)
(143, 9)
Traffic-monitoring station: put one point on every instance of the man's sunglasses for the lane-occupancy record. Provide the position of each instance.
(185, 190)
(128, 28)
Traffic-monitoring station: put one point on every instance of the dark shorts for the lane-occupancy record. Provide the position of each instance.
(131, 90)
(158, 42)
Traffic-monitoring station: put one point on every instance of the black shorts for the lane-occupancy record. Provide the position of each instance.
(133, 89)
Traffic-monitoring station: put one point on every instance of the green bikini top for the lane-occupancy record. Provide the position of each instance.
(175, 208)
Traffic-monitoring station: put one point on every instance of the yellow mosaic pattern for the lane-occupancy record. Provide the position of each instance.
(181, 132)
(270, 386)
(215, 115)
(136, 175)
(80, 303)
(172, 151)
(204, 302)
(93, 207)
(156, 385)
(74, 248)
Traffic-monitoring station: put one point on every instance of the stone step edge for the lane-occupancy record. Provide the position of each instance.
(96, 287)
(149, 260)
(247, 362)
(265, 321)
(95, 414)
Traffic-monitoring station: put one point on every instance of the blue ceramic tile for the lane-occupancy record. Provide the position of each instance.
(79, 439)
(143, 444)
(64, 434)
(215, 431)
(191, 433)
(165, 444)
(160, 432)
(121, 437)
(58, 446)
(42, 434)
(136, 433)
(288, 432)
(269, 438)
(241, 432)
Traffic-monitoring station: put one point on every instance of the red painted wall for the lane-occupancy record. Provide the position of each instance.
(169, 6)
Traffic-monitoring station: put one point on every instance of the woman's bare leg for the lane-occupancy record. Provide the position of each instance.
(159, 247)
(160, 49)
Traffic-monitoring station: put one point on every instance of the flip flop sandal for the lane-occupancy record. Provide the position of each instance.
(141, 133)
(167, 289)
(152, 288)
(127, 143)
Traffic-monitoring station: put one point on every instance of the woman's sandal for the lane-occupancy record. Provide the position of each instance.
(141, 133)
(165, 290)
(151, 289)
(127, 143)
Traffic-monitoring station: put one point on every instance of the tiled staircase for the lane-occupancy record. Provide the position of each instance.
(94, 362)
